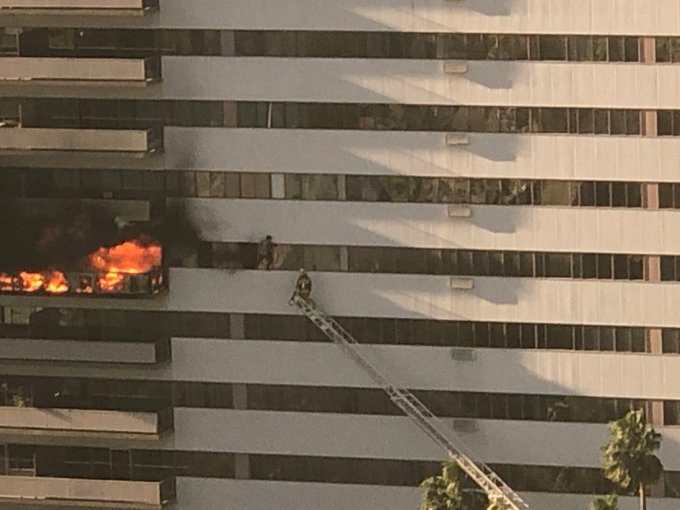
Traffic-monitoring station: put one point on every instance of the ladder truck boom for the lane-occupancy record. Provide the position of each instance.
(493, 486)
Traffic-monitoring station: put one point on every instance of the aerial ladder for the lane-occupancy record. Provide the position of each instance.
(490, 483)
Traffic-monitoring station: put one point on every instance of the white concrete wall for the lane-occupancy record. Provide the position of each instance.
(409, 81)
(633, 17)
(208, 494)
(215, 494)
(393, 437)
(559, 229)
(421, 154)
(418, 154)
(575, 84)
(557, 301)
(430, 368)
(553, 372)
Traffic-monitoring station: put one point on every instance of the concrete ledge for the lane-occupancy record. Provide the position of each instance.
(133, 141)
(35, 491)
(79, 70)
(28, 420)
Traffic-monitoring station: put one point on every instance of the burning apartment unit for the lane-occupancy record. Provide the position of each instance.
(129, 267)
(484, 193)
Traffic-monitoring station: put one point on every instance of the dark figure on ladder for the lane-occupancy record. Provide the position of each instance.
(303, 286)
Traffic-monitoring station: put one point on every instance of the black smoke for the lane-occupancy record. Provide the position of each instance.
(62, 237)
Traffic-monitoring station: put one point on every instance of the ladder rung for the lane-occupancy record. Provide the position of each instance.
(488, 480)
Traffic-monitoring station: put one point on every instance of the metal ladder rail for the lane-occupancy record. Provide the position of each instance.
(493, 485)
(483, 475)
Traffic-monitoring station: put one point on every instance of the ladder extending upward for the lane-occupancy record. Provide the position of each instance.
(495, 488)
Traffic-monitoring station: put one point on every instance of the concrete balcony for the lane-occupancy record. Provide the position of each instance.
(133, 353)
(84, 422)
(86, 7)
(32, 492)
(80, 71)
(131, 142)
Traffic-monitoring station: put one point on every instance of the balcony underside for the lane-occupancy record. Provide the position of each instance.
(112, 72)
(27, 140)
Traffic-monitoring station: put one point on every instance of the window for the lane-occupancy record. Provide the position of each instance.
(552, 47)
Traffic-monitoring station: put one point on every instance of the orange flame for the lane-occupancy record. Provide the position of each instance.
(130, 257)
(32, 282)
(52, 281)
(113, 264)
(56, 283)
(6, 282)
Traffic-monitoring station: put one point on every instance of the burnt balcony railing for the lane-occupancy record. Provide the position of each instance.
(84, 283)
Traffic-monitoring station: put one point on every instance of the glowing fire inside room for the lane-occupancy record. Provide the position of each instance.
(110, 265)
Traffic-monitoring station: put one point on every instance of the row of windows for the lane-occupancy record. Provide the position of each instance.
(117, 42)
(147, 395)
(135, 184)
(100, 113)
(401, 117)
(436, 261)
(134, 324)
(461, 334)
(82, 462)
(90, 42)
(438, 46)
(668, 49)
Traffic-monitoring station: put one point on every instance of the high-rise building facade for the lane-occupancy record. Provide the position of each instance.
(486, 193)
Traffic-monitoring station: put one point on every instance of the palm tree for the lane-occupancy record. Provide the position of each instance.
(610, 502)
(451, 490)
(629, 459)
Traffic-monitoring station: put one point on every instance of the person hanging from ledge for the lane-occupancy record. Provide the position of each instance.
(265, 253)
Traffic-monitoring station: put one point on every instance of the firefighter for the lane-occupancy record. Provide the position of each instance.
(265, 253)
(303, 286)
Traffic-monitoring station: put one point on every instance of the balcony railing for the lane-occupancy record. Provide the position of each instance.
(85, 422)
(119, 494)
(87, 283)
(134, 71)
(135, 142)
(95, 7)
